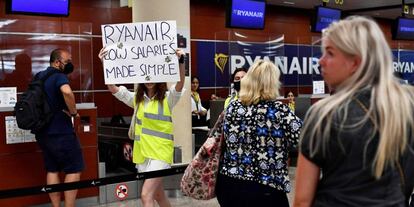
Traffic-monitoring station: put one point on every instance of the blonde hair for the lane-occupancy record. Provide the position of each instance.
(260, 83)
(391, 104)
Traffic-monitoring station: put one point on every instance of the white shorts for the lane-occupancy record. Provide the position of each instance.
(152, 165)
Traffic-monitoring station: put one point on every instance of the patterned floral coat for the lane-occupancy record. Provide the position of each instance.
(257, 142)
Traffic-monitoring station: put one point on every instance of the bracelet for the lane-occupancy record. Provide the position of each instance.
(181, 60)
(73, 115)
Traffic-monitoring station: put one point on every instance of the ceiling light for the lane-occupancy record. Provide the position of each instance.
(10, 51)
(239, 35)
(55, 37)
(243, 43)
(289, 2)
(274, 47)
(269, 51)
(44, 58)
(280, 39)
(6, 22)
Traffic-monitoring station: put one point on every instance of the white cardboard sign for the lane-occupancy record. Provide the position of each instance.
(142, 52)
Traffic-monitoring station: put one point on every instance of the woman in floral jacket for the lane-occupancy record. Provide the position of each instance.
(259, 132)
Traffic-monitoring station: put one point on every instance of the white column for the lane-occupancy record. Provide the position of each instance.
(178, 10)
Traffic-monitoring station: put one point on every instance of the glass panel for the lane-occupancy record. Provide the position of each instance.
(25, 47)
(302, 66)
(317, 76)
(237, 50)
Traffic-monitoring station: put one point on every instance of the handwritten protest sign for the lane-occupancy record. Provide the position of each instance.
(140, 52)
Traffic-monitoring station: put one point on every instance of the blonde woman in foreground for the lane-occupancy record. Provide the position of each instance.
(359, 138)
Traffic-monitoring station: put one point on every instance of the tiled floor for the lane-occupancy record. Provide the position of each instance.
(188, 202)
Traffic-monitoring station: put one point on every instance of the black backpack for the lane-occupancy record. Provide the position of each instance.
(32, 110)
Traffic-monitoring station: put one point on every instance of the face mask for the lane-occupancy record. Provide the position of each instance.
(236, 86)
(68, 68)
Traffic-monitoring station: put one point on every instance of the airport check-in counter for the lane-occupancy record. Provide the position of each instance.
(21, 160)
(316, 97)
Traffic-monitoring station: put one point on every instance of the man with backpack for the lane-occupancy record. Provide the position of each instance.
(57, 139)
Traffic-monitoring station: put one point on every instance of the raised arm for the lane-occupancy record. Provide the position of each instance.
(180, 84)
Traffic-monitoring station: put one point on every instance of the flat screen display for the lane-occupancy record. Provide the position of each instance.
(38, 7)
(324, 17)
(404, 29)
(248, 14)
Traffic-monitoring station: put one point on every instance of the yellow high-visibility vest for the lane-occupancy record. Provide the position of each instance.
(153, 132)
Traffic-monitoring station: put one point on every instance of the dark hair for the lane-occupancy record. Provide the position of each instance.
(160, 89)
(194, 77)
(236, 71)
(286, 94)
(56, 55)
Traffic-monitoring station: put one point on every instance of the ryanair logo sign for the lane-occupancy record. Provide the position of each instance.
(299, 64)
(220, 60)
(296, 65)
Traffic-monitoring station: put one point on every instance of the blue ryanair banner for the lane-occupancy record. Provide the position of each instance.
(404, 64)
(299, 64)
(209, 74)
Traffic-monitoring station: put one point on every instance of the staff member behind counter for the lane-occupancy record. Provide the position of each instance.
(153, 144)
(236, 77)
(198, 112)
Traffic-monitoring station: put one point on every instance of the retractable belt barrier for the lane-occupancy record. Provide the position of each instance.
(89, 183)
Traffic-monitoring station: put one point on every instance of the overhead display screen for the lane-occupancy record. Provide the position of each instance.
(404, 29)
(324, 17)
(39, 7)
(248, 14)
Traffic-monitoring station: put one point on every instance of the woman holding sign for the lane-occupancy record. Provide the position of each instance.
(153, 144)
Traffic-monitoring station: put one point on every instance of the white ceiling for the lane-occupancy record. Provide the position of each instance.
(390, 9)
